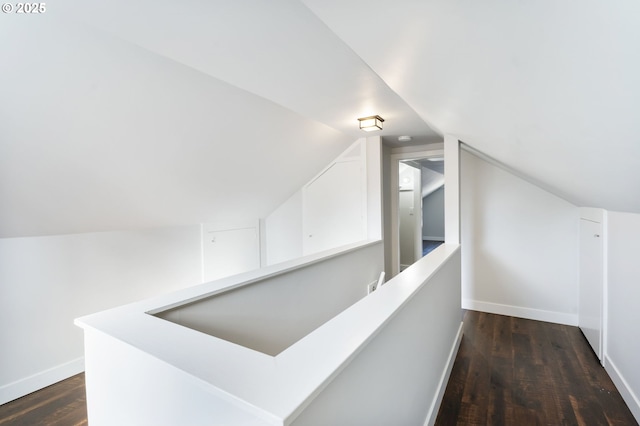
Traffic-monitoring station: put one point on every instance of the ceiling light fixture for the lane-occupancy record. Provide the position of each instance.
(404, 138)
(371, 124)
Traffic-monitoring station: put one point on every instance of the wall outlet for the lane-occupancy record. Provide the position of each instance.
(372, 287)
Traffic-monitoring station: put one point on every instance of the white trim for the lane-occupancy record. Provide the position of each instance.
(521, 312)
(517, 173)
(201, 253)
(605, 286)
(373, 179)
(40, 380)
(432, 414)
(451, 190)
(417, 213)
(262, 237)
(623, 387)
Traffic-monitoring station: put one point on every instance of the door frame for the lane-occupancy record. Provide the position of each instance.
(394, 181)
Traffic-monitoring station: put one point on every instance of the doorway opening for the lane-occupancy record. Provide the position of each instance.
(417, 206)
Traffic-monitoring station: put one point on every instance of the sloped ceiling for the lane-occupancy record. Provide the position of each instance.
(121, 115)
(550, 89)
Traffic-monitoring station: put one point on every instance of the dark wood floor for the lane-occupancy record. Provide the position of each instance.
(62, 404)
(511, 371)
(508, 371)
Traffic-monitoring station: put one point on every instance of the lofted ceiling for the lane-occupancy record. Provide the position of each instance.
(123, 115)
(549, 89)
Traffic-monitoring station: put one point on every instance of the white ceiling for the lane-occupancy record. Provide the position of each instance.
(550, 89)
(121, 115)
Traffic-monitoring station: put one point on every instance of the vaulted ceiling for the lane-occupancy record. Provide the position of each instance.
(121, 115)
(550, 89)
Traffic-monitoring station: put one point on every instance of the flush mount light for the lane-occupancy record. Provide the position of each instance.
(404, 138)
(371, 124)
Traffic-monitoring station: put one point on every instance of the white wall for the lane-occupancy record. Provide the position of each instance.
(520, 243)
(623, 282)
(334, 206)
(398, 378)
(283, 231)
(46, 282)
(408, 229)
(311, 295)
(287, 234)
(149, 391)
(409, 216)
(229, 249)
(142, 370)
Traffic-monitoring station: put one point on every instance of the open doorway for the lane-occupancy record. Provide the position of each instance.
(409, 214)
(417, 206)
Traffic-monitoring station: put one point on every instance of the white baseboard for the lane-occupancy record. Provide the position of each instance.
(432, 414)
(432, 238)
(521, 312)
(623, 387)
(40, 380)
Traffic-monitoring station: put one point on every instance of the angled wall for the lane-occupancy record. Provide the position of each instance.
(519, 246)
(433, 215)
(340, 205)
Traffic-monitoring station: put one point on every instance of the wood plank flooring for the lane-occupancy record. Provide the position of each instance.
(508, 371)
(61, 404)
(511, 371)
